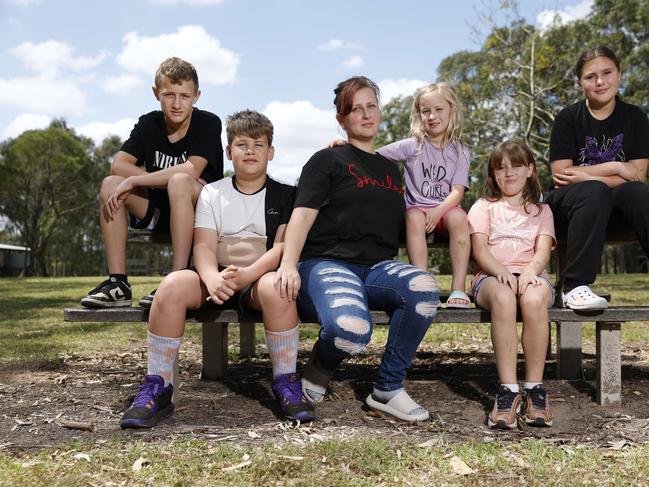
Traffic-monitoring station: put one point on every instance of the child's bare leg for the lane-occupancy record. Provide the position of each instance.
(416, 238)
(281, 324)
(457, 226)
(501, 301)
(183, 193)
(115, 231)
(178, 292)
(536, 331)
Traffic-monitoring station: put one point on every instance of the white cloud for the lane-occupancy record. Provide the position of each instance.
(98, 131)
(300, 130)
(43, 94)
(354, 62)
(336, 44)
(215, 64)
(189, 2)
(122, 84)
(548, 18)
(25, 121)
(391, 88)
(49, 56)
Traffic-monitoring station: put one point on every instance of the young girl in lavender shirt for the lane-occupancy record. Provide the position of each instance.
(436, 175)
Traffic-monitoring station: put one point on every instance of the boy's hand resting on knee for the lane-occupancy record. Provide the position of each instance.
(223, 286)
(287, 281)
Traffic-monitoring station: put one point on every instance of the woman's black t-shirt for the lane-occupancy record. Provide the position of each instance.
(361, 205)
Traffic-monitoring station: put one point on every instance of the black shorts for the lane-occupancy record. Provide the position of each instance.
(237, 302)
(157, 214)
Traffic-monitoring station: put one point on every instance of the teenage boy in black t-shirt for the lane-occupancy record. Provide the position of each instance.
(156, 177)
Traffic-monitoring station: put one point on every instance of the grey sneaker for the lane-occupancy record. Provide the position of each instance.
(112, 293)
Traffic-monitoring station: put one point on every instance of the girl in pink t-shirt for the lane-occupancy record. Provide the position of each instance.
(512, 236)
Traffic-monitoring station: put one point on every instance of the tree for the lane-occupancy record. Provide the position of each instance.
(48, 181)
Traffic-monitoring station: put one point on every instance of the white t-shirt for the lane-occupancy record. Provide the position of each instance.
(238, 219)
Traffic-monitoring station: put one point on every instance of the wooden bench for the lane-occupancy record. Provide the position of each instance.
(215, 337)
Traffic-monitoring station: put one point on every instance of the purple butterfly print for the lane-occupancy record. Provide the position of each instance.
(612, 150)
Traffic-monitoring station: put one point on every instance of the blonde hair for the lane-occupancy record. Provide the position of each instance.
(454, 130)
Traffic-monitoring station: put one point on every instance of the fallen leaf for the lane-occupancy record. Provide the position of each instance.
(140, 463)
(459, 467)
(429, 443)
(398, 454)
(252, 434)
(237, 466)
(616, 445)
(289, 457)
(82, 456)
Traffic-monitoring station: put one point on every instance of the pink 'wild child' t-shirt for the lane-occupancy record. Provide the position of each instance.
(511, 232)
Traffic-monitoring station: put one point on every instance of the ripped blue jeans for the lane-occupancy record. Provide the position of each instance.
(339, 296)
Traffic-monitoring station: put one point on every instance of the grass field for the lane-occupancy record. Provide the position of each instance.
(32, 330)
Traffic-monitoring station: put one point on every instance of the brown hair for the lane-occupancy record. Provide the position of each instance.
(176, 70)
(590, 54)
(251, 124)
(519, 154)
(345, 91)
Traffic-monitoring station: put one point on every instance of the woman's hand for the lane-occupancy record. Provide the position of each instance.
(288, 282)
(336, 143)
(223, 286)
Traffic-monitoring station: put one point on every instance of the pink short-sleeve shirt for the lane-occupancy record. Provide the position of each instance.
(511, 231)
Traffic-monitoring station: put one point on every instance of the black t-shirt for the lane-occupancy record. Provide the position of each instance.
(360, 201)
(577, 135)
(149, 143)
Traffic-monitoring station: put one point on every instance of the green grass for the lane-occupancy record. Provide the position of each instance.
(360, 461)
(32, 329)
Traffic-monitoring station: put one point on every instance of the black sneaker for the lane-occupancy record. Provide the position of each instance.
(287, 389)
(147, 301)
(151, 405)
(112, 293)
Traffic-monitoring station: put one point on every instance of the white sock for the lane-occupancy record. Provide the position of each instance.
(282, 348)
(161, 354)
(531, 385)
(512, 387)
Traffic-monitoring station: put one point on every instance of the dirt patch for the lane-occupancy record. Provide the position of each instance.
(456, 386)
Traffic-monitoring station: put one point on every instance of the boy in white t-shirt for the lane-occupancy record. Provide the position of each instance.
(238, 240)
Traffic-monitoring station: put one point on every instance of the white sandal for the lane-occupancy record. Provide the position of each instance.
(459, 295)
(401, 406)
(583, 298)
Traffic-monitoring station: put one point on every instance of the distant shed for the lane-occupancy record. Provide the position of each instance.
(13, 259)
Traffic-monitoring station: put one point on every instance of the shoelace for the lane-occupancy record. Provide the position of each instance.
(291, 390)
(538, 398)
(505, 400)
(145, 393)
(101, 286)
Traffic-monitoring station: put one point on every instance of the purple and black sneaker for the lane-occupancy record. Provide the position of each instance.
(151, 405)
(287, 389)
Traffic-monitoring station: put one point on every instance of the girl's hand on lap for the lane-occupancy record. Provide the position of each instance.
(525, 280)
(223, 287)
(433, 216)
(508, 279)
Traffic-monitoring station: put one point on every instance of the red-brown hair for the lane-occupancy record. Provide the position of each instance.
(345, 91)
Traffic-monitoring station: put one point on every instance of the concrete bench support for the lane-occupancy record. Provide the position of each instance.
(569, 350)
(609, 363)
(215, 350)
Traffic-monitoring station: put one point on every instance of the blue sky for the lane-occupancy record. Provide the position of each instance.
(92, 62)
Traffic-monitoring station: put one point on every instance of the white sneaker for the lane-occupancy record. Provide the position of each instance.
(582, 297)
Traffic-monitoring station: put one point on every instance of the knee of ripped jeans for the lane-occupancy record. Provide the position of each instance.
(353, 324)
(348, 346)
(423, 282)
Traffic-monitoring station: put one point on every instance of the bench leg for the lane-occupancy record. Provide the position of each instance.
(246, 340)
(569, 350)
(609, 363)
(215, 351)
